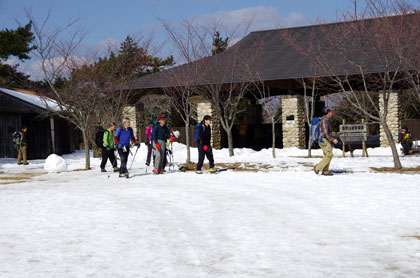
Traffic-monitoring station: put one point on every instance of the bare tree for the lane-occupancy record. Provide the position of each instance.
(363, 54)
(309, 111)
(75, 99)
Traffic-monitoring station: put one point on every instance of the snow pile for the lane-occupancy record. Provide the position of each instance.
(55, 164)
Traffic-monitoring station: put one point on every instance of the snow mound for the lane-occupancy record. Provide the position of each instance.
(55, 164)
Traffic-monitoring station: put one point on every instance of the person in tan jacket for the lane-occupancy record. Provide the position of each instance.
(325, 143)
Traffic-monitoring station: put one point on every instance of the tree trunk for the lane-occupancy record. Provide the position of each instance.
(309, 149)
(86, 147)
(397, 162)
(273, 131)
(187, 140)
(230, 142)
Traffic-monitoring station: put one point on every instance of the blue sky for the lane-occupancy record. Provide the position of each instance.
(114, 20)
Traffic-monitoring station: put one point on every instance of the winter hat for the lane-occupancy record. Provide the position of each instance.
(404, 127)
(161, 117)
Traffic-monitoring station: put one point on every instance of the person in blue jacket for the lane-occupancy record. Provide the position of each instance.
(123, 137)
(160, 135)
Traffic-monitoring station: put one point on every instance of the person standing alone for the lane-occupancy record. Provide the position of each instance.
(20, 141)
(325, 142)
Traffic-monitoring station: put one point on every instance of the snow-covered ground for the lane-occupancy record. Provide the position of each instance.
(286, 222)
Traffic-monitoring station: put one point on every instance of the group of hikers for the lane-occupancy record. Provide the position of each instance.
(158, 140)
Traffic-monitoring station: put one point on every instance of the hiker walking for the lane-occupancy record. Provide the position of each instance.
(160, 135)
(149, 142)
(123, 136)
(202, 135)
(108, 148)
(325, 141)
(21, 143)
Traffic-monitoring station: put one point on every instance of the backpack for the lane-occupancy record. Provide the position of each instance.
(315, 135)
(16, 139)
(99, 138)
(197, 131)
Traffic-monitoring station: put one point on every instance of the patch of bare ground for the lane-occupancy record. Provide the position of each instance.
(81, 170)
(412, 237)
(415, 170)
(237, 167)
(18, 177)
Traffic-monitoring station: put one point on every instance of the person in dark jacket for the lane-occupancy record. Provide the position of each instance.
(203, 145)
(325, 143)
(21, 142)
(160, 135)
(123, 136)
(406, 140)
(108, 149)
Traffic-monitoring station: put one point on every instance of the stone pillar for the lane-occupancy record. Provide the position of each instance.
(131, 112)
(293, 122)
(393, 118)
(205, 108)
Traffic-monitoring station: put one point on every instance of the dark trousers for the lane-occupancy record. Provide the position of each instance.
(202, 154)
(406, 146)
(124, 159)
(108, 154)
(149, 152)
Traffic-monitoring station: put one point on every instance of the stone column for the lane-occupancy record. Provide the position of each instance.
(293, 122)
(131, 112)
(205, 108)
(393, 118)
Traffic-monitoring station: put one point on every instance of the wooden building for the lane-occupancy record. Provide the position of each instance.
(46, 134)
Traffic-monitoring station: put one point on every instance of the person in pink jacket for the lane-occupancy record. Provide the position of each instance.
(149, 144)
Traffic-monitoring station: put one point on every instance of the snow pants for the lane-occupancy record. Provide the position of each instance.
(202, 154)
(149, 152)
(22, 154)
(324, 165)
(160, 155)
(124, 159)
(108, 155)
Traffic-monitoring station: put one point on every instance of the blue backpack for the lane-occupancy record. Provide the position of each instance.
(315, 136)
(197, 131)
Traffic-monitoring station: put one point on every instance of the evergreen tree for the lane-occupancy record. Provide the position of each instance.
(219, 44)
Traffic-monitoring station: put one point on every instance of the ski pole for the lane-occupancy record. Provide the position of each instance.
(133, 157)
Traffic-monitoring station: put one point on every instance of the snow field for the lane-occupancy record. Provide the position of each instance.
(284, 223)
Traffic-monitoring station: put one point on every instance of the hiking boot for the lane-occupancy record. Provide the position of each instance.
(410, 152)
(147, 163)
(327, 174)
(199, 172)
(116, 169)
(103, 170)
(316, 172)
(156, 172)
(122, 175)
(26, 163)
(212, 170)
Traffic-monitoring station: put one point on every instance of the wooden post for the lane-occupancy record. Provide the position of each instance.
(344, 143)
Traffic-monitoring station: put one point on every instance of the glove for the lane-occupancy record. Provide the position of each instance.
(108, 149)
(137, 145)
(205, 148)
(157, 146)
(119, 146)
(172, 138)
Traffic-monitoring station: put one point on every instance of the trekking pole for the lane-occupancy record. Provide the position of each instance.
(134, 157)
(172, 157)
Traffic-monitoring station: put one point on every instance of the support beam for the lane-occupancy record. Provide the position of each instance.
(293, 121)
